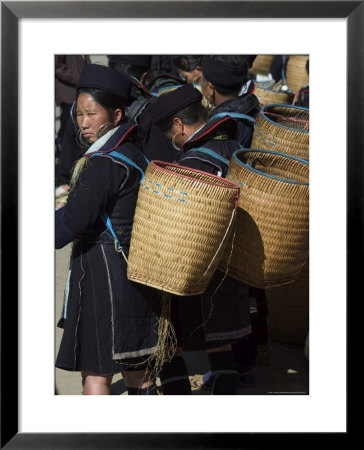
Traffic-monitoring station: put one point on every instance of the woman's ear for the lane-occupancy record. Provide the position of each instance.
(118, 115)
(211, 86)
(178, 124)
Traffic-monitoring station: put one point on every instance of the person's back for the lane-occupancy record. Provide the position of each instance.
(226, 85)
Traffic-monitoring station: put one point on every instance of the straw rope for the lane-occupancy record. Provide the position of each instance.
(180, 228)
(284, 129)
(271, 241)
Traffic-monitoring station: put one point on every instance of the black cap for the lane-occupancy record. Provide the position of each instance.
(224, 75)
(172, 102)
(109, 80)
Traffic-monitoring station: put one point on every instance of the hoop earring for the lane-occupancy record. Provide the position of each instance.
(80, 140)
(104, 128)
(174, 142)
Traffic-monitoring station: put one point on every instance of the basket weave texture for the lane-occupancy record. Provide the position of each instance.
(267, 96)
(296, 74)
(288, 310)
(181, 226)
(261, 65)
(283, 129)
(270, 243)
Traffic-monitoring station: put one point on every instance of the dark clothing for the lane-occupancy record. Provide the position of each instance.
(65, 114)
(154, 144)
(163, 75)
(68, 69)
(67, 72)
(108, 184)
(278, 67)
(211, 148)
(220, 315)
(303, 97)
(106, 317)
(247, 105)
(70, 152)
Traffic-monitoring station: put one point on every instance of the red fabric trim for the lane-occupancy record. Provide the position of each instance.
(224, 119)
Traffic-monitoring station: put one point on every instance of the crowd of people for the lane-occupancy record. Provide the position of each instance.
(192, 110)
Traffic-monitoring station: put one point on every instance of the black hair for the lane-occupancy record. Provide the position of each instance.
(109, 101)
(131, 69)
(239, 64)
(187, 63)
(194, 113)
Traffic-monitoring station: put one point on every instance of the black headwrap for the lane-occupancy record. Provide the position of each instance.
(110, 80)
(222, 75)
(142, 61)
(172, 102)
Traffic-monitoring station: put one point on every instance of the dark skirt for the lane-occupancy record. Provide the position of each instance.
(220, 316)
(109, 322)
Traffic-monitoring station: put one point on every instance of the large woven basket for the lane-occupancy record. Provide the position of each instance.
(267, 96)
(181, 225)
(283, 129)
(261, 65)
(288, 310)
(296, 73)
(269, 246)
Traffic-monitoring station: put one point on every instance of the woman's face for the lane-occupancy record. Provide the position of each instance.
(207, 91)
(90, 116)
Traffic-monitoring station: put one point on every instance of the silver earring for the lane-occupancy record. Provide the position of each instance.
(81, 141)
(104, 128)
(174, 142)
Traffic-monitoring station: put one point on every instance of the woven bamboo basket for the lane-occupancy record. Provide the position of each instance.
(283, 129)
(269, 246)
(288, 310)
(296, 74)
(261, 65)
(267, 96)
(181, 226)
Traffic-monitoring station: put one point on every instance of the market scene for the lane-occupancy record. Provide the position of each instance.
(181, 224)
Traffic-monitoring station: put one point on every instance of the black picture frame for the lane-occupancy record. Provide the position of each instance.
(11, 12)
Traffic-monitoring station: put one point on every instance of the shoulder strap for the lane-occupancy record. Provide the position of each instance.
(212, 153)
(234, 116)
(104, 216)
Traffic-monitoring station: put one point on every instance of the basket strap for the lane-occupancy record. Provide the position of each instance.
(234, 116)
(212, 153)
(104, 216)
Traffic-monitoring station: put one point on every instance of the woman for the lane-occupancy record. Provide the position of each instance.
(189, 67)
(219, 316)
(109, 325)
(226, 85)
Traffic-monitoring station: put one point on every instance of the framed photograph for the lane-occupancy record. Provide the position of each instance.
(331, 32)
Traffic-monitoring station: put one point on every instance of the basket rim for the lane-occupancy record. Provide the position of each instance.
(262, 112)
(275, 92)
(234, 156)
(231, 184)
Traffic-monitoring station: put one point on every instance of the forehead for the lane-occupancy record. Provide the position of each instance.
(86, 100)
